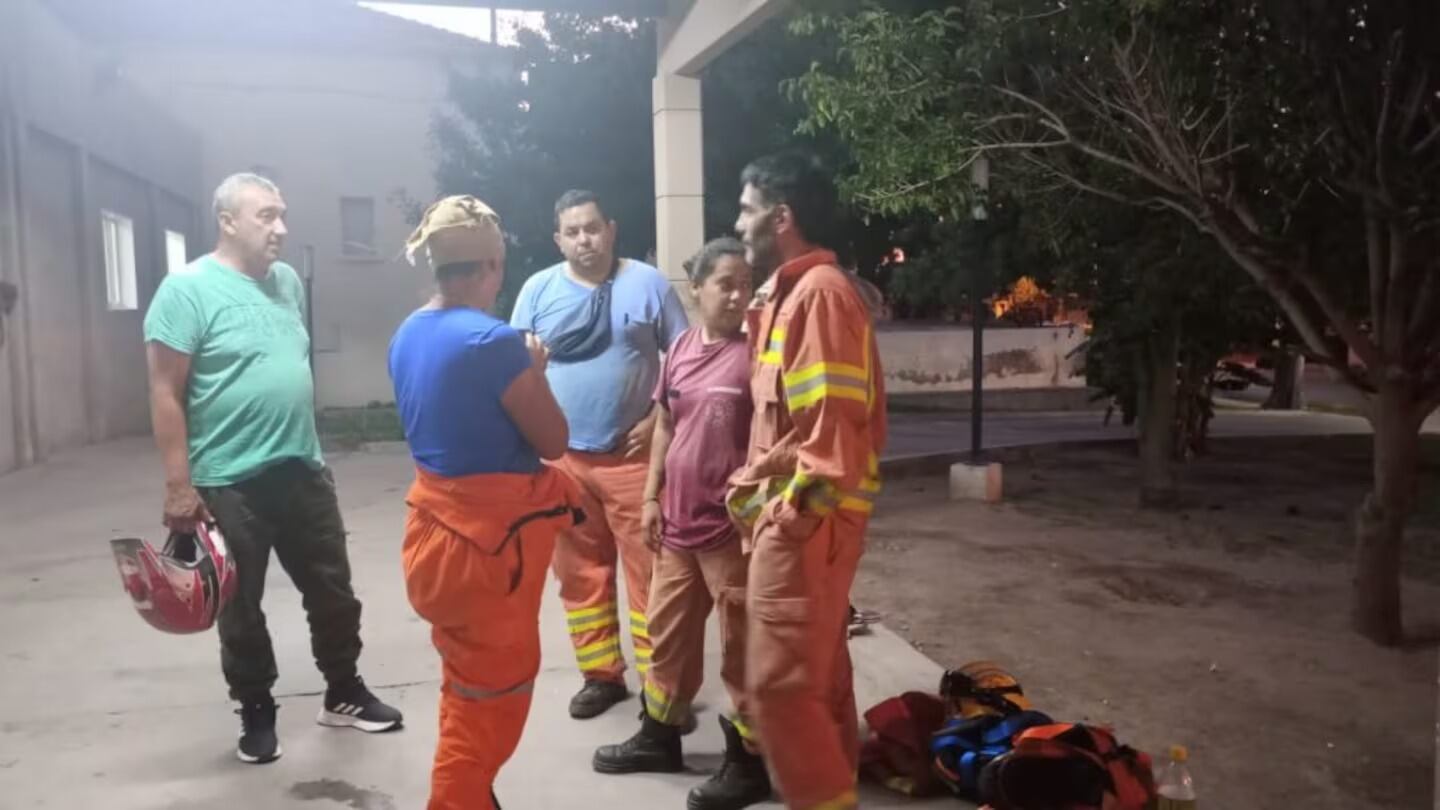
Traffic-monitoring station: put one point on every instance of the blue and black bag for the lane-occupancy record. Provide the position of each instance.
(964, 746)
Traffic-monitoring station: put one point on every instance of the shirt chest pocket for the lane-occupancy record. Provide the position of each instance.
(765, 392)
(639, 335)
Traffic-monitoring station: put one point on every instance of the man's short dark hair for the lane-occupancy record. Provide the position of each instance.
(576, 197)
(800, 181)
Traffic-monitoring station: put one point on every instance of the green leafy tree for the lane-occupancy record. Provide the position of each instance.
(574, 112)
(1303, 136)
(747, 114)
(1162, 318)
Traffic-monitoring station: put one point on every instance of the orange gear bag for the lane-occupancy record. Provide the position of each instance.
(1069, 765)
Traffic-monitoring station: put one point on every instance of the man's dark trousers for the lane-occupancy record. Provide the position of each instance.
(291, 508)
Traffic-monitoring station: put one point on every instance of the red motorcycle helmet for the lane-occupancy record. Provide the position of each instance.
(181, 588)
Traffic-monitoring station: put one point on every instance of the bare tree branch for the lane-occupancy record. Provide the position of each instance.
(1053, 122)
(971, 156)
(1426, 142)
(1398, 292)
(1360, 343)
(1375, 260)
(1188, 176)
(1415, 101)
(1387, 84)
(1221, 123)
(1067, 178)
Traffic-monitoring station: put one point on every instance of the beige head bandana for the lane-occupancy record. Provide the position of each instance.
(457, 229)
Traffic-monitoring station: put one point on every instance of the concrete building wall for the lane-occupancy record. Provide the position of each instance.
(54, 304)
(119, 384)
(74, 90)
(78, 139)
(10, 353)
(938, 359)
(327, 126)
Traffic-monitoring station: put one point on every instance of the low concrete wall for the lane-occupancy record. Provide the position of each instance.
(937, 359)
(998, 399)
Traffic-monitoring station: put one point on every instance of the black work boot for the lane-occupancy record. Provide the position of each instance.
(741, 781)
(595, 697)
(655, 748)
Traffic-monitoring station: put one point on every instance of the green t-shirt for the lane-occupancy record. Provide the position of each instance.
(250, 403)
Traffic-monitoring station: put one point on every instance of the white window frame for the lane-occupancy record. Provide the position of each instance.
(118, 233)
(176, 255)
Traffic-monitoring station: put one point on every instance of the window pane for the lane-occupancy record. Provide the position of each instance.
(119, 236)
(357, 226)
(174, 251)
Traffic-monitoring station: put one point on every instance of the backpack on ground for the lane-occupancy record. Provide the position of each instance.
(965, 745)
(896, 753)
(1068, 766)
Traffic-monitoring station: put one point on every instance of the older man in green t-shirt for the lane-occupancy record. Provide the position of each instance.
(232, 402)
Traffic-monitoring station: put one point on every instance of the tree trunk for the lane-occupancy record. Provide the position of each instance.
(1159, 478)
(1380, 521)
(1288, 392)
(1193, 407)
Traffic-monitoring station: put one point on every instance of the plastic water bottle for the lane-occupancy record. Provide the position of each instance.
(1176, 788)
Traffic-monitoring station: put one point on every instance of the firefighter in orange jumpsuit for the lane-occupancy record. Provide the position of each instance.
(701, 438)
(809, 485)
(605, 320)
(484, 511)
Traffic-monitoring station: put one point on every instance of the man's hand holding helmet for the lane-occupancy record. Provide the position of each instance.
(184, 508)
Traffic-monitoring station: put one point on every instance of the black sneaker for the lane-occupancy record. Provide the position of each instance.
(258, 743)
(351, 705)
(595, 697)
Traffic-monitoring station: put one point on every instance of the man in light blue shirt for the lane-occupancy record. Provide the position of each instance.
(606, 322)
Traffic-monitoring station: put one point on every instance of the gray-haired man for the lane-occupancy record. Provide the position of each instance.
(232, 402)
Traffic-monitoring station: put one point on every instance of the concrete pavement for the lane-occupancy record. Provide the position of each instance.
(102, 711)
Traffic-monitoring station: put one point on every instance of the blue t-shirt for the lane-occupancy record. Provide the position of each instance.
(605, 396)
(450, 367)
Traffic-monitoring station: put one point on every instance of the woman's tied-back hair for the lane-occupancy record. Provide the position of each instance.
(702, 264)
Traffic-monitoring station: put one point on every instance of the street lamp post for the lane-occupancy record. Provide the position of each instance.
(976, 479)
(980, 179)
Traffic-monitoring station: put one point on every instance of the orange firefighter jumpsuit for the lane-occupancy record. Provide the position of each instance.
(805, 495)
(612, 491)
(476, 554)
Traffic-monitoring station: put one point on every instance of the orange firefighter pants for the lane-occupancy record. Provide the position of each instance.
(686, 587)
(611, 493)
(489, 641)
(798, 669)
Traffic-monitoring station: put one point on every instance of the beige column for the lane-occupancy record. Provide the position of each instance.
(679, 175)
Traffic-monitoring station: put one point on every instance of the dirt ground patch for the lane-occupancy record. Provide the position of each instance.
(1222, 626)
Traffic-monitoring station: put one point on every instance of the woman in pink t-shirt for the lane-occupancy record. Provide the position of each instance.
(701, 435)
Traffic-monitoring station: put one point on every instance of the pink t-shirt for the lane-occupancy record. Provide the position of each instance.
(707, 391)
